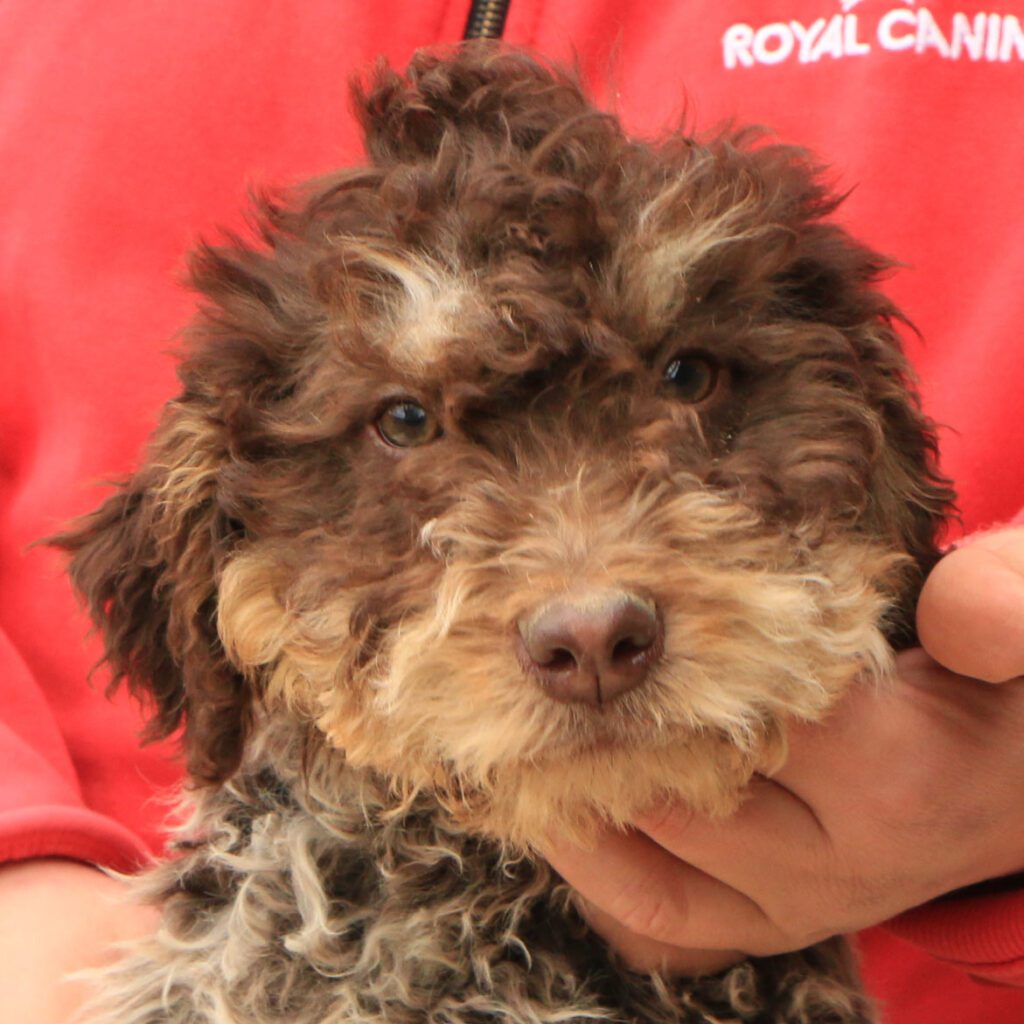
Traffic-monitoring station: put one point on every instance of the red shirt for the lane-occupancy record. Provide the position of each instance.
(131, 126)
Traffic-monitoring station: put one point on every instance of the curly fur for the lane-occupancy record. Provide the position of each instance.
(332, 618)
(314, 896)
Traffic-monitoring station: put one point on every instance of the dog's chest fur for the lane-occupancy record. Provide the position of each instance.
(314, 896)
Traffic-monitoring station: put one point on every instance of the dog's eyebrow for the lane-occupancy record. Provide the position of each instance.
(655, 273)
(680, 229)
(429, 318)
(426, 303)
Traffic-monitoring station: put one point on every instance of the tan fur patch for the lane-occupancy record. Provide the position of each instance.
(432, 304)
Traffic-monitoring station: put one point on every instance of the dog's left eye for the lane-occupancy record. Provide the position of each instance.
(406, 425)
(693, 376)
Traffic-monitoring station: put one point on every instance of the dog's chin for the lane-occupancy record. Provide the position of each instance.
(611, 774)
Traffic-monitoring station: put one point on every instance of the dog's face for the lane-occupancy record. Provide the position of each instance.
(539, 467)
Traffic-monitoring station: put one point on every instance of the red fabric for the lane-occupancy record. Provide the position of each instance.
(130, 126)
(982, 933)
(912, 987)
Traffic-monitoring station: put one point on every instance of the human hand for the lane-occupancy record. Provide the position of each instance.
(56, 917)
(901, 795)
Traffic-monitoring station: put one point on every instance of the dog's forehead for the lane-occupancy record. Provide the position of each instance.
(439, 314)
(618, 290)
(442, 323)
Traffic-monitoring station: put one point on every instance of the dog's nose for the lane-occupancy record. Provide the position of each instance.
(592, 648)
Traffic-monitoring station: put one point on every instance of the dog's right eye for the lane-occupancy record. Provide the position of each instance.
(406, 424)
(692, 375)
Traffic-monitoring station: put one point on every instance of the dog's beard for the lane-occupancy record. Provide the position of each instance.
(762, 625)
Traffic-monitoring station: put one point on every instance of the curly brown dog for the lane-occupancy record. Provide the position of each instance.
(521, 478)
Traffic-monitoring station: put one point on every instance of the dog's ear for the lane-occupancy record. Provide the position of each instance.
(147, 562)
(907, 491)
(833, 280)
(787, 256)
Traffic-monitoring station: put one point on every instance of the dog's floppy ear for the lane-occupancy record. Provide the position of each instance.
(832, 279)
(147, 562)
(907, 488)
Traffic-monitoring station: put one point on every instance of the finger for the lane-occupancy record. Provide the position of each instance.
(826, 758)
(653, 894)
(970, 616)
(772, 844)
(850, 756)
(643, 954)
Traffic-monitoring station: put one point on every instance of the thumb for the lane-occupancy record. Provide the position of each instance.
(970, 617)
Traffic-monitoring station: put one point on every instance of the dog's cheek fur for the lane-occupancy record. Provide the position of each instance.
(293, 635)
(310, 622)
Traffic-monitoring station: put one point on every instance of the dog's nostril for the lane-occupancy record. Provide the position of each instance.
(626, 650)
(591, 648)
(560, 660)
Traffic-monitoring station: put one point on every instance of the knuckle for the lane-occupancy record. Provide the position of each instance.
(655, 916)
(668, 822)
(785, 935)
(794, 933)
